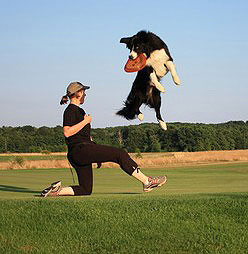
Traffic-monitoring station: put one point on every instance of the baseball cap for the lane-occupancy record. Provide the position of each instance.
(73, 87)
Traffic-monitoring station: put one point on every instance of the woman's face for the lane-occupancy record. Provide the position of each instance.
(81, 95)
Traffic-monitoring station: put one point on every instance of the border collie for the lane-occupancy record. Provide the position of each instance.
(146, 86)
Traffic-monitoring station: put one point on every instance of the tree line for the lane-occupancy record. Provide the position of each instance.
(147, 137)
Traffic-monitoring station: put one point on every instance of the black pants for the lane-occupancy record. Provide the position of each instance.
(82, 156)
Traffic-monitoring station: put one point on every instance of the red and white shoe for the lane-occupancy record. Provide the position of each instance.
(154, 182)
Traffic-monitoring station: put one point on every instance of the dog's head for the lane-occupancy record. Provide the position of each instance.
(137, 44)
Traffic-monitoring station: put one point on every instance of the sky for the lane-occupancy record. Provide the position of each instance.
(47, 44)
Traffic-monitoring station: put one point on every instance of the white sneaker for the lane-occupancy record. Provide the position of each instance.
(52, 190)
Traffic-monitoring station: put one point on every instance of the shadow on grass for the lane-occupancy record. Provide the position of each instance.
(16, 189)
(98, 193)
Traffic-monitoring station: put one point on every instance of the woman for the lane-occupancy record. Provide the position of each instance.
(82, 151)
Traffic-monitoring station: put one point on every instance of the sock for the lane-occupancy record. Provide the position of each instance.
(140, 176)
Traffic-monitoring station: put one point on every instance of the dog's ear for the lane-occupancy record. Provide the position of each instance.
(125, 40)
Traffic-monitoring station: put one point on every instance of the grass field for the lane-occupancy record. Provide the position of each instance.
(202, 209)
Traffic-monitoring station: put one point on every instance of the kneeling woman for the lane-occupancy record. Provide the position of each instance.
(82, 151)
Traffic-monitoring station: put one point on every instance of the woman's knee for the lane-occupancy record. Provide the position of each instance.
(82, 190)
(84, 193)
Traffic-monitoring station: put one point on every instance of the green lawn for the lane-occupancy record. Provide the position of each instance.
(202, 209)
(182, 180)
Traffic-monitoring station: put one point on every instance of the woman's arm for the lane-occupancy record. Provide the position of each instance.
(71, 130)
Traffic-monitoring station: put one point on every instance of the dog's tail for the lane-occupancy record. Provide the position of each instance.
(128, 111)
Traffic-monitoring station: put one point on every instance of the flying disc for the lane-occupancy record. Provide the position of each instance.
(136, 64)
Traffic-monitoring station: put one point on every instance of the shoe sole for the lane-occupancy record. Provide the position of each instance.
(151, 188)
(52, 186)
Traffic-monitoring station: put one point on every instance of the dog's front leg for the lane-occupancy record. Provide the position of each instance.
(156, 83)
(171, 67)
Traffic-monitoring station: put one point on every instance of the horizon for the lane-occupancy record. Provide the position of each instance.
(231, 121)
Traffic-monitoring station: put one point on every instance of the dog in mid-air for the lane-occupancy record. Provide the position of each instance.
(146, 87)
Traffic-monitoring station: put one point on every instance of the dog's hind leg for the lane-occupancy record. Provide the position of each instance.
(162, 124)
(157, 106)
(171, 67)
(156, 83)
(136, 105)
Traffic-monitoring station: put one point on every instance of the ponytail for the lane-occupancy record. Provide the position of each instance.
(64, 100)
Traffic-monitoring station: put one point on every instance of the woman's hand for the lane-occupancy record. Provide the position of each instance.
(72, 130)
(88, 118)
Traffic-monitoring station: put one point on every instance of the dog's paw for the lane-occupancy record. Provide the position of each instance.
(141, 117)
(162, 125)
(176, 80)
(160, 87)
(172, 68)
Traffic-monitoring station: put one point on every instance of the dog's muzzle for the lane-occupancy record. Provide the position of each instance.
(133, 55)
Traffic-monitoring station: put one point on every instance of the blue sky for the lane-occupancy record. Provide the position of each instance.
(47, 44)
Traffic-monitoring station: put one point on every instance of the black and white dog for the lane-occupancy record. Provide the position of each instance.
(146, 86)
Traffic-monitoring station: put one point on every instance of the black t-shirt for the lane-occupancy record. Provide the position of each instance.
(73, 115)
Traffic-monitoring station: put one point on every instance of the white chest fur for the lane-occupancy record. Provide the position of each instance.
(157, 60)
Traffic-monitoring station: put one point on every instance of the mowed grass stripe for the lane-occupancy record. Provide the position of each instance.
(182, 180)
(201, 223)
